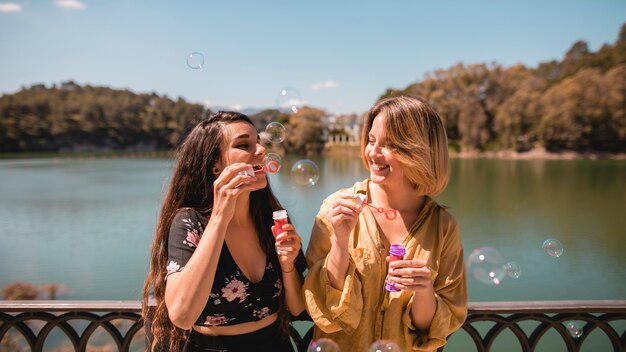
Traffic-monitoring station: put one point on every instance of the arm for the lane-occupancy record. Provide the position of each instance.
(187, 291)
(332, 309)
(450, 295)
(342, 216)
(288, 247)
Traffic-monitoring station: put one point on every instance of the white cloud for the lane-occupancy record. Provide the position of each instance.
(236, 107)
(329, 84)
(10, 7)
(70, 4)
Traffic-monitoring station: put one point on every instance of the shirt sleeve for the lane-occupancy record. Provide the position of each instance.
(331, 309)
(450, 292)
(183, 239)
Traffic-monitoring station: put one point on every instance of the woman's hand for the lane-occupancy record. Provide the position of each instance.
(227, 188)
(411, 275)
(288, 244)
(344, 215)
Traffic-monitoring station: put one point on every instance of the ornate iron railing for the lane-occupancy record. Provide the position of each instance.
(550, 315)
(31, 322)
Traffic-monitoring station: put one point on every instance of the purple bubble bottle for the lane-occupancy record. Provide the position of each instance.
(396, 252)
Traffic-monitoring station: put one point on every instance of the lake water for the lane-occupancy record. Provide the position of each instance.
(88, 224)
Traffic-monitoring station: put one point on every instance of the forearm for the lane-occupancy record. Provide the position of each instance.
(337, 263)
(293, 291)
(423, 309)
(187, 292)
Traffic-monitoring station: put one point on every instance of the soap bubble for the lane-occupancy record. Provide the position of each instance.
(553, 247)
(305, 172)
(289, 100)
(574, 328)
(272, 162)
(195, 60)
(275, 132)
(486, 265)
(323, 345)
(384, 346)
(513, 270)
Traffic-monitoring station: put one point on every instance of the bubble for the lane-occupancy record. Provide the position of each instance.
(305, 172)
(513, 270)
(384, 346)
(553, 247)
(195, 60)
(574, 328)
(486, 265)
(273, 162)
(323, 345)
(289, 100)
(275, 132)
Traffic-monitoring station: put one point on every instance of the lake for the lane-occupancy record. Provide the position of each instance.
(88, 224)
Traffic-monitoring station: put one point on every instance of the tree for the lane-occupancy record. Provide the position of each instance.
(577, 115)
(304, 132)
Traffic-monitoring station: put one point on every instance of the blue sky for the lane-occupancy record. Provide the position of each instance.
(339, 55)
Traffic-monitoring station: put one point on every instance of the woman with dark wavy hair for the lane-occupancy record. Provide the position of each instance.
(224, 278)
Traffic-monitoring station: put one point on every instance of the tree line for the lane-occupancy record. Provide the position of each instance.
(577, 104)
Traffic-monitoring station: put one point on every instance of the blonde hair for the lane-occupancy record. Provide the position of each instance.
(417, 138)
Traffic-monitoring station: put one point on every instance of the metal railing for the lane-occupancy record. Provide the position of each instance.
(32, 321)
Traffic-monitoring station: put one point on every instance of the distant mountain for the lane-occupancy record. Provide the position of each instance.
(246, 111)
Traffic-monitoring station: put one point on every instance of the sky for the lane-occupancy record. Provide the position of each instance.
(337, 55)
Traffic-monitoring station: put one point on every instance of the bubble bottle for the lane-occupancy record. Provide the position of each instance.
(280, 218)
(396, 252)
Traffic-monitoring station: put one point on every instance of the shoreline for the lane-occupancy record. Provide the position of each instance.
(340, 151)
(537, 153)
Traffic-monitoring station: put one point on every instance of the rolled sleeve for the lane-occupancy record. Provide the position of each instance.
(451, 296)
(331, 309)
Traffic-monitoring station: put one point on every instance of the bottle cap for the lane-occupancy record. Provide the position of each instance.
(397, 250)
(279, 214)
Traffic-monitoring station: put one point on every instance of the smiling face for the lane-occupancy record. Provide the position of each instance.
(241, 145)
(384, 168)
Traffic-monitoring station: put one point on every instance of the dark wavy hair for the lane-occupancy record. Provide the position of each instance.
(191, 186)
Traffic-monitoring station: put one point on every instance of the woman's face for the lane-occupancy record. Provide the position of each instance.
(384, 167)
(241, 145)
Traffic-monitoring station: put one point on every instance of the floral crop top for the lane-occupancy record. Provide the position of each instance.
(234, 299)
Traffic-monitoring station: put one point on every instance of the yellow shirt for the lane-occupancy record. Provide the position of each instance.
(364, 312)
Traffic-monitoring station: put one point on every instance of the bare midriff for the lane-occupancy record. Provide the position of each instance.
(238, 329)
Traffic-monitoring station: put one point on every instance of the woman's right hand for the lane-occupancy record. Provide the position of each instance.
(228, 186)
(344, 215)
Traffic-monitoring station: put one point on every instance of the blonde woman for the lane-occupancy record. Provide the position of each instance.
(404, 146)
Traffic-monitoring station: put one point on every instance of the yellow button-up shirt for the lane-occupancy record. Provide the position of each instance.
(364, 312)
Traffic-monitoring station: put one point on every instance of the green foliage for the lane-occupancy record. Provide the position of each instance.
(306, 130)
(577, 104)
(71, 117)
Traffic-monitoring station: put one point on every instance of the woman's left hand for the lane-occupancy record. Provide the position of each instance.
(411, 275)
(288, 244)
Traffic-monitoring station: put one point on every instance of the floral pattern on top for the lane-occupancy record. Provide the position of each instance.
(261, 313)
(279, 288)
(233, 299)
(235, 289)
(193, 233)
(215, 320)
(173, 267)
